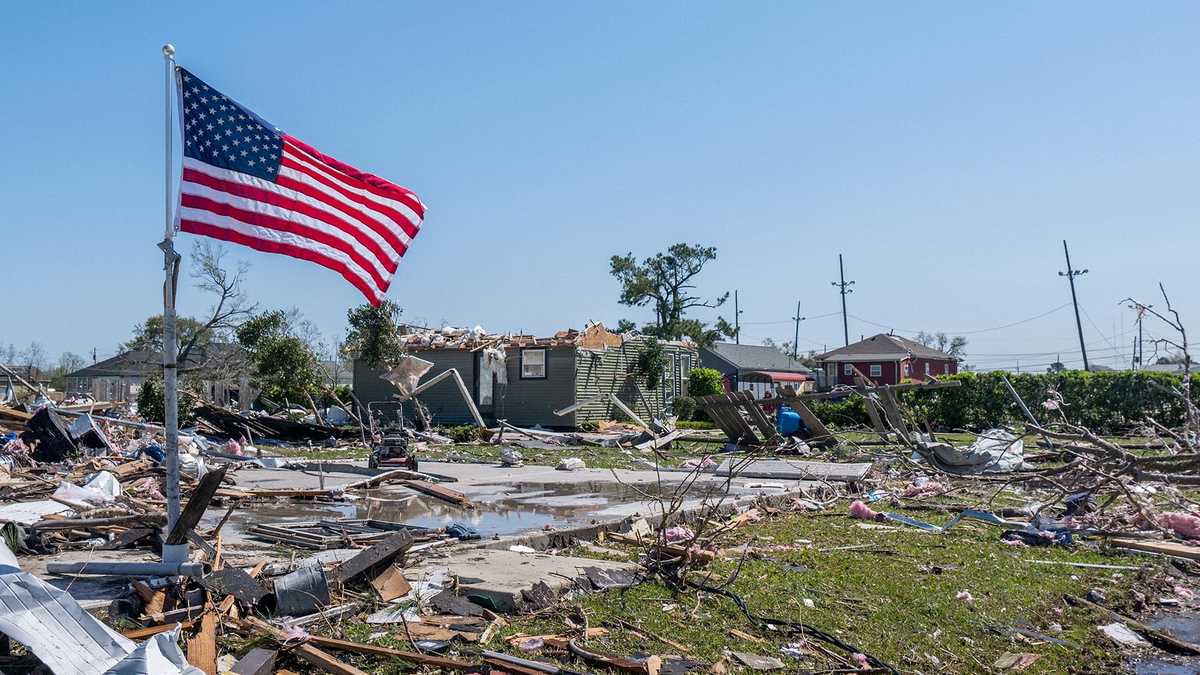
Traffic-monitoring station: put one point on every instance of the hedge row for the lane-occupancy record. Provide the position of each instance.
(1106, 402)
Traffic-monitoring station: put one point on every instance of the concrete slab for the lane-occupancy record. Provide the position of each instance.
(789, 469)
(496, 577)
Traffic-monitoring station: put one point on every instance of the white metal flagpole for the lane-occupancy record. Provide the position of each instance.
(170, 348)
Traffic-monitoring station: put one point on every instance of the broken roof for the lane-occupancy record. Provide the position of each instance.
(884, 346)
(595, 336)
(757, 357)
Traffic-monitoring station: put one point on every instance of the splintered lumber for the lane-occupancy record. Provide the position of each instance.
(306, 651)
(378, 479)
(202, 649)
(233, 581)
(86, 523)
(196, 505)
(412, 657)
(380, 554)
(434, 490)
(1164, 547)
(656, 443)
(391, 584)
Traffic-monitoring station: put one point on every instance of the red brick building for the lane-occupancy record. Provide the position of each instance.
(886, 359)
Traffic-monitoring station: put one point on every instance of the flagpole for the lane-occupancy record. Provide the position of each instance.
(177, 553)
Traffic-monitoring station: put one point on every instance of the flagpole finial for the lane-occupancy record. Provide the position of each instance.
(169, 50)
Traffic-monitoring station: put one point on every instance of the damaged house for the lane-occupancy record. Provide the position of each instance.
(221, 367)
(524, 379)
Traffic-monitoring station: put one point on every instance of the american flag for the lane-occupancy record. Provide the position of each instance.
(244, 181)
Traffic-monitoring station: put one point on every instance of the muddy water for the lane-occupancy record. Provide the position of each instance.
(1184, 625)
(501, 509)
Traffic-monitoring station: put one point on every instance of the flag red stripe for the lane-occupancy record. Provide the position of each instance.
(367, 181)
(206, 230)
(395, 216)
(282, 225)
(258, 194)
(309, 191)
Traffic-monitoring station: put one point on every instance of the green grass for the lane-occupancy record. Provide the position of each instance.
(887, 599)
(594, 457)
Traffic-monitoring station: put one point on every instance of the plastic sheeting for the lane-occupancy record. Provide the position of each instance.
(103, 488)
(406, 374)
(994, 451)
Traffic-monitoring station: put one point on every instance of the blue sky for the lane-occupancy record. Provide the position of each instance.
(945, 149)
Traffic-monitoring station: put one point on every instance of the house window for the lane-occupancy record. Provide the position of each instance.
(945, 368)
(876, 370)
(927, 368)
(832, 370)
(848, 369)
(905, 369)
(533, 364)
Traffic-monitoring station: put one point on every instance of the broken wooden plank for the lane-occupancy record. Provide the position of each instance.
(202, 649)
(196, 505)
(412, 657)
(143, 633)
(380, 554)
(1170, 548)
(656, 443)
(434, 490)
(305, 651)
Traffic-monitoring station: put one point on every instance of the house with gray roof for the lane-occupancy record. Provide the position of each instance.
(756, 368)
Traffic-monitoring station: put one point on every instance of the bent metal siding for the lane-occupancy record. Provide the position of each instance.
(610, 372)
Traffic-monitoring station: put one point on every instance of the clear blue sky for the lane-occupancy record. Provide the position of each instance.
(946, 149)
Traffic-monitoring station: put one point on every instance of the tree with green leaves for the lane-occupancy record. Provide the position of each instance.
(666, 282)
(373, 334)
(285, 369)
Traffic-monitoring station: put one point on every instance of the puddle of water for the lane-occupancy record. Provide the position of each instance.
(1185, 626)
(501, 509)
(1157, 667)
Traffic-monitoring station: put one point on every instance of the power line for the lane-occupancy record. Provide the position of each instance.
(976, 331)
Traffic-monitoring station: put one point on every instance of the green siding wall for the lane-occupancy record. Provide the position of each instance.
(605, 372)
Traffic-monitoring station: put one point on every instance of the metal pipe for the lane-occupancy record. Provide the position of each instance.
(132, 569)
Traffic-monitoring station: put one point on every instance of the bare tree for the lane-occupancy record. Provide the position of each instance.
(231, 306)
(34, 356)
(1179, 344)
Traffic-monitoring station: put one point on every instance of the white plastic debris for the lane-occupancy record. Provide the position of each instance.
(521, 548)
(511, 457)
(1122, 635)
(570, 464)
(102, 489)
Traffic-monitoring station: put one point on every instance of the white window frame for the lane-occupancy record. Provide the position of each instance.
(928, 369)
(876, 370)
(907, 369)
(529, 370)
(945, 368)
(848, 369)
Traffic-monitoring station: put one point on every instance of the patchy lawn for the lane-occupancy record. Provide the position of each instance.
(888, 589)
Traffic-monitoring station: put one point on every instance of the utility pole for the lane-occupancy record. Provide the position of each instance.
(737, 325)
(796, 338)
(1137, 345)
(843, 288)
(1070, 274)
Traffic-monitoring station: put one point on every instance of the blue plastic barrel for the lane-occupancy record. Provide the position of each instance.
(787, 422)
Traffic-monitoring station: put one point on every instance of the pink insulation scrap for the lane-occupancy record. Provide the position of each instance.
(923, 488)
(861, 510)
(965, 596)
(861, 660)
(1183, 524)
(678, 533)
(232, 447)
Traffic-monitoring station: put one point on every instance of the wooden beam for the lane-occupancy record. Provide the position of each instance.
(307, 652)
(1170, 548)
(196, 505)
(202, 649)
(412, 657)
